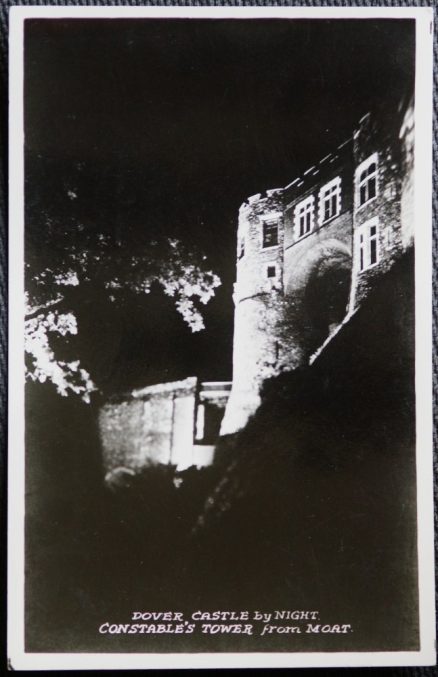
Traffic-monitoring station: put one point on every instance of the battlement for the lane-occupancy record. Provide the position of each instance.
(266, 195)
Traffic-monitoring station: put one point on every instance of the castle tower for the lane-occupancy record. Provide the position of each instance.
(310, 253)
(257, 293)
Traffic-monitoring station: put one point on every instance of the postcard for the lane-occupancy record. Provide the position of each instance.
(220, 404)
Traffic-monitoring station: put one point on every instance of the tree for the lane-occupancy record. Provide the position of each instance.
(69, 258)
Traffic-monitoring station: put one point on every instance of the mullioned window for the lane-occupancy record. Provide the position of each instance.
(368, 244)
(270, 234)
(366, 178)
(304, 217)
(330, 200)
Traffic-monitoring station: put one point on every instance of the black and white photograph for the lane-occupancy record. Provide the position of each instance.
(220, 398)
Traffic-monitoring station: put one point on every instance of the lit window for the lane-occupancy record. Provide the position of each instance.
(208, 423)
(270, 234)
(366, 180)
(200, 422)
(368, 245)
(304, 217)
(241, 248)
(330, 200)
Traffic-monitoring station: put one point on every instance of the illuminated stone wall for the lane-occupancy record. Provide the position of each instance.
(157, 425)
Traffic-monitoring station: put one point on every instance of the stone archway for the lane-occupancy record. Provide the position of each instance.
(318, 292)
(325, 300)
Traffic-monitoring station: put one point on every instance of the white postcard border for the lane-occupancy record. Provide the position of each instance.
(19, 658)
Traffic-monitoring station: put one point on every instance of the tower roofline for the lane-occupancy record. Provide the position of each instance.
(315, 168)
(260, 197)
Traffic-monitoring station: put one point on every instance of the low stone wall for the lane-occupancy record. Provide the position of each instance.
(159, 425)
(152, 425)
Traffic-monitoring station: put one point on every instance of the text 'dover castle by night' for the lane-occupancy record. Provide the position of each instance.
(257, 623)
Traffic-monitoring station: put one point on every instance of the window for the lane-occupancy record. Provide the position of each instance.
(208, 423)
(241, 248)
(271, 271)
(304, 217)
(270, 234)
(330, 200)
(200, 423)
(368, 245)
(366, 180)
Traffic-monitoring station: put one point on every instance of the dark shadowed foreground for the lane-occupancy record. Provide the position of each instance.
(312, 506)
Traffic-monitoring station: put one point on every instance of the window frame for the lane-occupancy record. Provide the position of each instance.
(302, 208)
(334, 188)
(371, 159)
(363, 246)
(271, 264)
(269, 221)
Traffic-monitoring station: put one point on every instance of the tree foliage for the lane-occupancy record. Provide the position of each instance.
(68, 258)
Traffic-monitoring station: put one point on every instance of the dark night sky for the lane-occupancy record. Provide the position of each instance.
(177, 121)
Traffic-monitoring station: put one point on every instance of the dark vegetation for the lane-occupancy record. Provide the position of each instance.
(312, 506)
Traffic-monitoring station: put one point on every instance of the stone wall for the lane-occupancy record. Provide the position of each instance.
(407, 139)
(173, 423)
(317, 266)
(150, 426)
(256, 345)
(374, 137)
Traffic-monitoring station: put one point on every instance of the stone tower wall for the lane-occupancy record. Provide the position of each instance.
(315, 258)
(407, 140)
(255, 349)
(374, 137)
